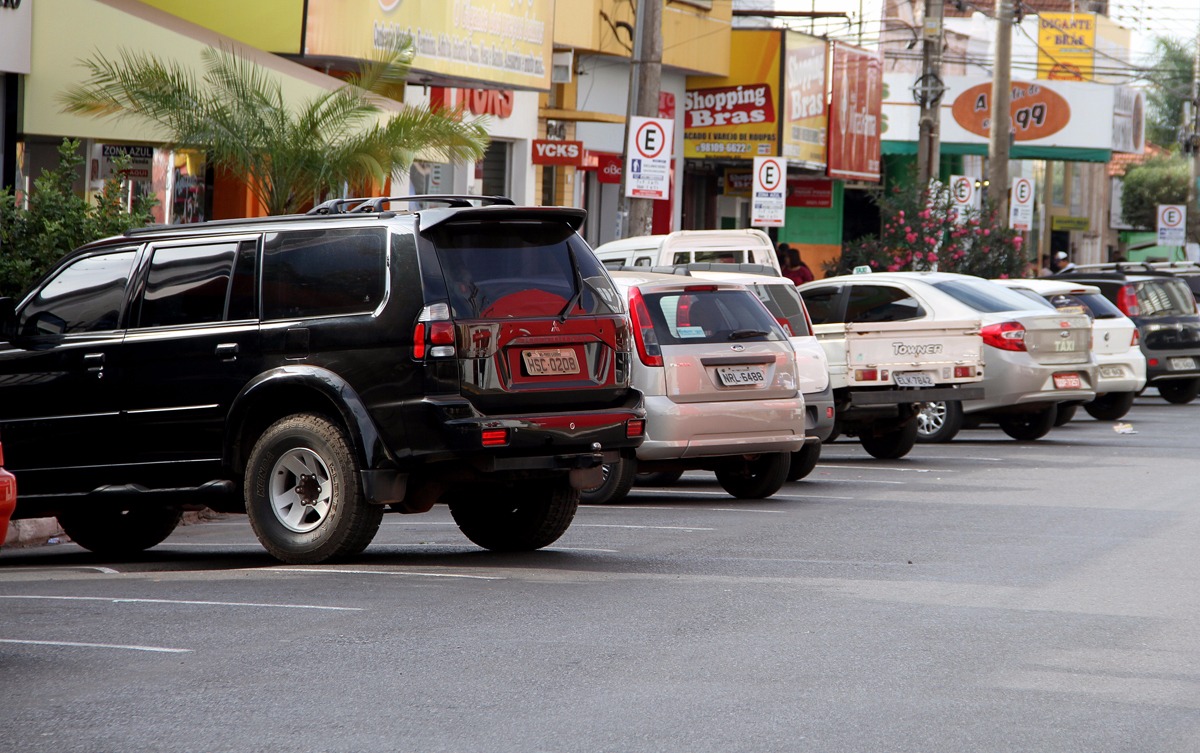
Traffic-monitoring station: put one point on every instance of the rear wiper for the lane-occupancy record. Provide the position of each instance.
(562, 315)
(742, 334)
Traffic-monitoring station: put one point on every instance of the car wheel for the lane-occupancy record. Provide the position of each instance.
(1110, 407)
(113, 532)
(804, 461)
(939, 421)
(1179, 391)
(756, 478)
(618, 478)
(658, 478)
(1064, 414)
(1029, 426)
(303, 495)
(891, 444)
(518, 518)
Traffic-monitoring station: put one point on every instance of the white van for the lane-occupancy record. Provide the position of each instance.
(688, 246)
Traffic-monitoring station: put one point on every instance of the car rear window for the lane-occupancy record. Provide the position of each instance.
(783, 301)
(521, 269)
(329, 272)
(691, 317)
(986, 297)
(1092, 304)
(1164, 298)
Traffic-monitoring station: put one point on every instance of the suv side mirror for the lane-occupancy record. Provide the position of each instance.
(8, 319)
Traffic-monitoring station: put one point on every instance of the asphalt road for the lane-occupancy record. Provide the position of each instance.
(983, 595)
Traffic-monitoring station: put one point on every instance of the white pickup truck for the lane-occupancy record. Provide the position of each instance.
(887, 355)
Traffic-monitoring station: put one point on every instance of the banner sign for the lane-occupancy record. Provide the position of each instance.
(770, 185)
(737, 183)
(811, 193)
(855, 114)
(648, 161)
(16, 34)
(736, 116)
(551, 152)
(1020, 205)
(495, 41)
(1172, 224)
(1066, 46)
(806, 116)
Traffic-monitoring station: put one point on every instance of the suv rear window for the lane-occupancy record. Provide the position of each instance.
(985, 297)
(783, 301)
(688, 317)
(1164, 298)
(521, 269)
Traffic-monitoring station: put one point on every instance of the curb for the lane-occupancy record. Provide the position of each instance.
(34, 532)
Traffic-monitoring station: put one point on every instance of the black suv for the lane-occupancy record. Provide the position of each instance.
(315, 370)
(1163, 307)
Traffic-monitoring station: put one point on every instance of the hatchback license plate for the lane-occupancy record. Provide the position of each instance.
(737, 376)
(1112, 372)
(1182, 364)
(555, 362)
(1067, 382)
(914, 379)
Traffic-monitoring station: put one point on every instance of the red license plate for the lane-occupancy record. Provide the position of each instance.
(1067, 382)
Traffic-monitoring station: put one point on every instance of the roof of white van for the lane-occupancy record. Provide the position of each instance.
(693, 239)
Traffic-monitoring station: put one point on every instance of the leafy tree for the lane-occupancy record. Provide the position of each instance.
(57, 220)
(290, 153)
(920, 232)
(1171, 75)
(1160, 180)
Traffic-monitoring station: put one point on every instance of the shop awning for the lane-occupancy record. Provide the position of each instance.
(65, 31)
(1018, 151)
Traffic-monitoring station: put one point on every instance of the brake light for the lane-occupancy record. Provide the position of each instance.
(1005, 336)
(644, 335)
(870, 375)
(1136, 339)
(1127, 300)
(433, 334)
(495, 437)
(964, 372)
(1, 455)
(700, 288)
(634, 428)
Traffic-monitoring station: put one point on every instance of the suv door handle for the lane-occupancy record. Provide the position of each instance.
(227, 351)
(94, 363)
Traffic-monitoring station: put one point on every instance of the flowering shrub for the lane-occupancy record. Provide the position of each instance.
(919, 232)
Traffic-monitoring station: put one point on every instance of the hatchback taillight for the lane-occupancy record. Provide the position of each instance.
(1127, 300)
(1136, 339)
(1005, 336)
(644, 335)
(433, 334)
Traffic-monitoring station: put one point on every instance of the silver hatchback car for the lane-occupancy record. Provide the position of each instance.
(721, 391)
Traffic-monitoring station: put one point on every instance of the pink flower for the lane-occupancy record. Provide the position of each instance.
(1018, 240)
(932, 256)
(893, 268)
(957, 255)
(901, 214)
(924, 214)
(911, 237)
(1003, 275)
(986, 231)
(874, 264)
(929, 241)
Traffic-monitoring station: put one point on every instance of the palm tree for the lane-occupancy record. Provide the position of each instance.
(291, 154)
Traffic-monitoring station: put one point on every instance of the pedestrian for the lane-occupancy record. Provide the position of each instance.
(1044, 269)
(782, 252)
(804, 274)
(1063, 263)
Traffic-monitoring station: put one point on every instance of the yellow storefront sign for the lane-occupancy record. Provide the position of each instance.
(805, 115)
(1066, 46)
(736, 115)
(1070, 223)
(490, 41)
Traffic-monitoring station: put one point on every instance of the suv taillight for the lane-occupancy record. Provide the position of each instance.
(1005, 336)
(1127, 300)
(1, 458)
(643, 330)
(434, 333)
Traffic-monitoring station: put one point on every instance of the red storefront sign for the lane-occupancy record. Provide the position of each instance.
(495, 102)
(608, 168)
(855, 114)
(552, 152)
(810, 193)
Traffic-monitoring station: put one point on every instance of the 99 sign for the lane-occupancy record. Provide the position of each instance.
(1034, 115)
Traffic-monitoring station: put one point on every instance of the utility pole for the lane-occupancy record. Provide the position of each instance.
(998, 143)
(929, 90)
(645, 83)
(1191, 144)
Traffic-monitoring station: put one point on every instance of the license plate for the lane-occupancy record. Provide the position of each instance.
(553, 362)
(1067, 382)
(1182, 364)
(1112, 372)
(737, 376)
(914, 379)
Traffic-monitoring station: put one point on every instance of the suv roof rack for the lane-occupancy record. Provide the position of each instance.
(365, 205)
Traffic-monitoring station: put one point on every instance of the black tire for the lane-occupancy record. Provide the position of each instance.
(834, 433)
(1027, 427)
(939, 421)
(1179, 391)
(329, 519)
(114, 533)
(618, 479)
(893, 444)
(758, 478)
(1064, 414)
(658, 478)
(804, 461)
(1110, 407)
(520, 518)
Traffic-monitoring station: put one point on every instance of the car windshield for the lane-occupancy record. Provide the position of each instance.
(1164, 298)
(690, 317)
(522, 269)
(987, 297)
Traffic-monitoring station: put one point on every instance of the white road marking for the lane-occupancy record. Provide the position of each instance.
(839, 466)
(578, 549)
(335, 571)
(112, 600)
(155, 649)
(653, 528)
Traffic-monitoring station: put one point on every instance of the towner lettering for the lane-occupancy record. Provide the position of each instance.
(904, 349)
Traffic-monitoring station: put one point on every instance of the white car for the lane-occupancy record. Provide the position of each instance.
(719, 379)
(1121, 365)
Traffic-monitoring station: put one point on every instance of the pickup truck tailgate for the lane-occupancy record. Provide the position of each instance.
(907, 354)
